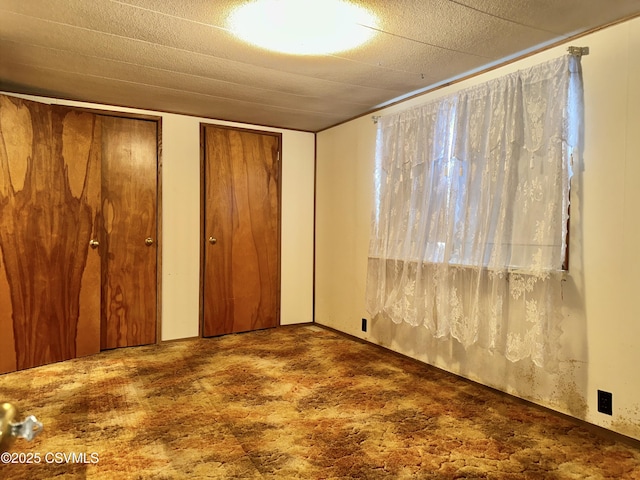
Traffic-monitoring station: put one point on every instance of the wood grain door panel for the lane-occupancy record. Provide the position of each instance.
(69, 176)
(241, 272)
(48, 202)
(129, 197)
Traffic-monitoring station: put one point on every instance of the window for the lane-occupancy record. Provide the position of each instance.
(476, 181)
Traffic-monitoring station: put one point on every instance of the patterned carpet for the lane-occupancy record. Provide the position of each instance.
(297, 402)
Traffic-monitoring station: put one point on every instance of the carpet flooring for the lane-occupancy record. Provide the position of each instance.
(298, 402)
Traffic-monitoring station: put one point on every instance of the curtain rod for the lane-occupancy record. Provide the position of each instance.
(577, 51)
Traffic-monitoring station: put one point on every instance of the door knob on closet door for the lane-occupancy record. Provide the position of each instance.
(213, 241)
(94, 244)
(148, 241)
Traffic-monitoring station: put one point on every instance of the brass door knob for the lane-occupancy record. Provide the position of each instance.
(148, 241)
(213, 241)
(8, 416)
(10, 428)
(94, 244)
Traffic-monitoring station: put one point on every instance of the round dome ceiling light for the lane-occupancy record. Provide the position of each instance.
(303, 27)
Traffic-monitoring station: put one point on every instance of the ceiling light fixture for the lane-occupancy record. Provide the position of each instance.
(303, 27)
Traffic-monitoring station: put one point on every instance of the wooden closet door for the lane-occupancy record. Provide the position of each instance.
(49, 190)
(128, 244)
(241, 271)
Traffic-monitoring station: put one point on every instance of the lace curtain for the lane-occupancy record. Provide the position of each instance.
(470, 217)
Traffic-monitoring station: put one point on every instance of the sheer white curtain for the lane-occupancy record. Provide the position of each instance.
(470, 218)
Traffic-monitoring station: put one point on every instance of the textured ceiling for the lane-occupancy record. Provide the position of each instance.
(178, 56)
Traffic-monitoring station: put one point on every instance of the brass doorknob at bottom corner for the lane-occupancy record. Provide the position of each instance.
(94, 243)
(213, 241)
(8, 416)
(148, 241)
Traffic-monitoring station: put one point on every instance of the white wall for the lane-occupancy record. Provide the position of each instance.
(601, 339)
(181, 220)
